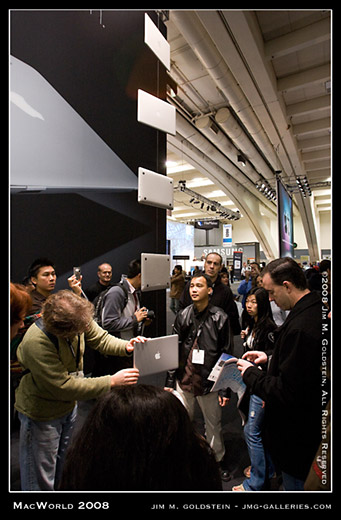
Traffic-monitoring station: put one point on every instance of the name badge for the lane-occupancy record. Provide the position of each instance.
(198, 357)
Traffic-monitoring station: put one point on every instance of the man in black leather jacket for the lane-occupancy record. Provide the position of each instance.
(203, 332)
(221, 296)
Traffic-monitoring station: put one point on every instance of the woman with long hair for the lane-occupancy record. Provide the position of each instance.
(257, 318)
(257, 336)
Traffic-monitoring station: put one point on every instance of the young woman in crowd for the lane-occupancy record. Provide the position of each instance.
(257, 336)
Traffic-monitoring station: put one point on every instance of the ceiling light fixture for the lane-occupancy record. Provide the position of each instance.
(302, 186)
(264, 187)
(211, 205)
(241, 159)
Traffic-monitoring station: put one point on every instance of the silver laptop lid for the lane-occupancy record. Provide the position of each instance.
(155, 189)
(155, 271)
(157, 355)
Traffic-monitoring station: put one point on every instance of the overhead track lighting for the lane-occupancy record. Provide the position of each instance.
(302, 186)
(211, 205)
(264, 187)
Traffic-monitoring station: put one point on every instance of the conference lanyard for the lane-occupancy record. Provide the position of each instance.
(76, 355)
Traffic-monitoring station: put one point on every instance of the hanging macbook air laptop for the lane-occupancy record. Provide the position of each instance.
(155, 271)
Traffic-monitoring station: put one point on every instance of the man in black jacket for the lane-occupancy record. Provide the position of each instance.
(291, 388)
(222, 295)
(203, 331)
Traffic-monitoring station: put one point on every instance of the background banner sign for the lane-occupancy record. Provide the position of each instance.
(285, 221)
(206, 224)
(237, 264)
(227, 234)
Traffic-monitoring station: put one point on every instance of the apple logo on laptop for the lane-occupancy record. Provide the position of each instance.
(157, 355)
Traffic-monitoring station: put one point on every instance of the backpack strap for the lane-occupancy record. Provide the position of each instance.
(121, 286)
(51, 337)
(125, 290)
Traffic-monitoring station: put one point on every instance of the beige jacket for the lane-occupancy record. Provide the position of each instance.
(50, 390)
(177, 285)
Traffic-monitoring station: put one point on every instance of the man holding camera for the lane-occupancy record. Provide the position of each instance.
(122, 316)
(251, 273)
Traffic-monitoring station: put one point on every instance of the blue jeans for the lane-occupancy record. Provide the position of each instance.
(261, 466)
(174, 305)
(42, 451)
(291, 483)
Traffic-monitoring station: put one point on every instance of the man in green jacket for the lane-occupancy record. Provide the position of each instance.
(51, 355)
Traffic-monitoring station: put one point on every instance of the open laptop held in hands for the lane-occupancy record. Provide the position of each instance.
(157, 355)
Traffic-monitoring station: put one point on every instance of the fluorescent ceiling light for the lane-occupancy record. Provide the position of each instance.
(179, 168)
(197, 182)
(216, 193)
(187, 215)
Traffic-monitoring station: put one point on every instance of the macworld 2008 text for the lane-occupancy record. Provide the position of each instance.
(59, 506)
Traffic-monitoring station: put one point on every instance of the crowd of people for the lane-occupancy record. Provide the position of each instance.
(285, 329)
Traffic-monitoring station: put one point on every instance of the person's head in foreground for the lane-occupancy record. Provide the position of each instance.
(139, 438)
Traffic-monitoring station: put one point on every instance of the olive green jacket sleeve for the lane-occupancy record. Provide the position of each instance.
(51, 388)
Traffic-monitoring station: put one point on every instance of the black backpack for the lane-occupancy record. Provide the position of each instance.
(99, 301)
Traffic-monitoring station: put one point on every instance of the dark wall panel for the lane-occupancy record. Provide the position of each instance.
(97, 70)
(80, 231)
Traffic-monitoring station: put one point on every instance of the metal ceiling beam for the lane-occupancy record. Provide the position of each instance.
(311, 105)
(315, 155)
(312, 126)
(294, 41)
(231, 33)
(303, 78)
(245, 29)
(314, 143)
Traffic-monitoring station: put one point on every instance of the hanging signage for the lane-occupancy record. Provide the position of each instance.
(227, 234)
(206, 224)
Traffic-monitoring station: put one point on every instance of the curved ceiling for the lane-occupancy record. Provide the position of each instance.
(253, 102)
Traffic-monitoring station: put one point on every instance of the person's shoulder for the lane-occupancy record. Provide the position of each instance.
(185, 313)
(114, 287)
(116, 291)
(217, 312)
(33, 340)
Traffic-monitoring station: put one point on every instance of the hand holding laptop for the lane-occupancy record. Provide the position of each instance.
(128, 376)
(138, 339)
